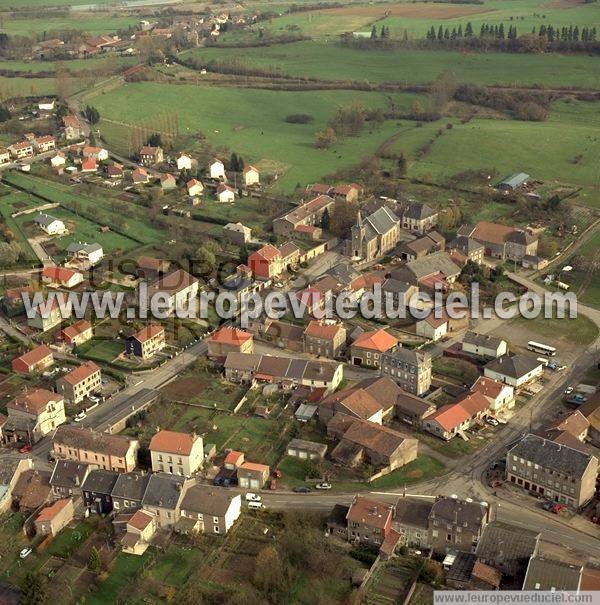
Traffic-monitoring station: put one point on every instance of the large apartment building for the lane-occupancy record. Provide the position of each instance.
(80, 382)
(410, 369)
(552, 470)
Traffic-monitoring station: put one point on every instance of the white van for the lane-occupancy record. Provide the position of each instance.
(253, 504)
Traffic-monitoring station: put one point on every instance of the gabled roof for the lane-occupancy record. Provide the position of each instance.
(48, 513)
(555, 456)
(164, 490)
(381, 221)
(130, 486)
(326, 331)
(450, 416)
(140, 520)
(85, 370)
(376, 340)
(104, 443)
(77, 328)
(207, 500)
(551, 575)
(575, 424)
(173, 442)
(45, 220)
(488, 387)
(268, 252)
(513, 366)
(371, 512)
(148, 332)
(231, 336)
(34, 401)
(68, 473)
(36, 355)
(482, 340)
(59, 274)
(474, 403)
(100, 481)
(419, 212)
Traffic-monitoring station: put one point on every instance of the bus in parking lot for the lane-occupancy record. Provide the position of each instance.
(540, 348)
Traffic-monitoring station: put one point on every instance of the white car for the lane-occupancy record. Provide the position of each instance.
(94, 399)
(81, 416)
(25, 553)
(323, 485)
(251, 497)
(568, 390)
(492, 421)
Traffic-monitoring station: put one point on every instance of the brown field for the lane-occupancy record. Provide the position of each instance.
(411, 11)
(563, 4)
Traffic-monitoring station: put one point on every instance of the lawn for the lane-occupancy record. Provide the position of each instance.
(421, 469)
(175, 565)
(331, 61)
(251, 122)
(585, 283)
(6, 209)
(94, 24)
(107, 63)
(125, 570)
(69, 539)
(578, 331)
(82, 230)
(24, 87)
(101, 350)
(123, 217)
(546, 150)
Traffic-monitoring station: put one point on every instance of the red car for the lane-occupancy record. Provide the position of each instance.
(25, 449)
(495, 483)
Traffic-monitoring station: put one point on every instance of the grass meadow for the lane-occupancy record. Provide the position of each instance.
(331, 61)
(253, 123)
(93, 24)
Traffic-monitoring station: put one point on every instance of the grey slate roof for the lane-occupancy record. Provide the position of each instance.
(380, 222)
(482, 340)
(406, 355)
(309, 446)
(418, 212)
(548, 574)
(521, 237)
(130, 486)
(75, 247)
(68, 474)
(207, 500)
(459, 512)
(164, 490)
(465, 244)
(344, 273)
(438, 262)
(413, 512)
(502, 543)
(44, 219)
(552, 455)
(100, 481)
(396, 286)
(513, 366)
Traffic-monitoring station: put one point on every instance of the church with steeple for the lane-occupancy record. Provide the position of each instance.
(373, 236)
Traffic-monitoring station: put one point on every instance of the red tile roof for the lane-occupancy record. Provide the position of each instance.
(254, 466)
(58, 274)
(474, 403)
(34, 356)
(232, 336)
(148, 332)
(48, 513)
(233, 457)
(77, 328)
(488, 387)
(89, 164)
(269, 252)
(81, 373)
(317, 329)
(377, 340)
(140, 520)
(450, 416)
(172, 442)
(369, 511)
(34, 401)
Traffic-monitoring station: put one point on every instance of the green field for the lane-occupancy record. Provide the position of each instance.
(101, 350)
(95, 64)
(334, 62)
(417, 17)
(546, 150)
(579, 331)
(93, 25)
(133, 225)
(253, 124)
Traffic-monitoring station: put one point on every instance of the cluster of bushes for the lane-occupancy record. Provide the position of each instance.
(523, 105)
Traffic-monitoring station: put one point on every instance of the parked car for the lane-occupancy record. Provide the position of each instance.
(25, 449)
(256, 505)
(568, 390)
(495, 483)
(94, 399)
(492, 421)
(250, 497)
(25, 553)
(79, 417)
(323, 485)
(302, 489)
